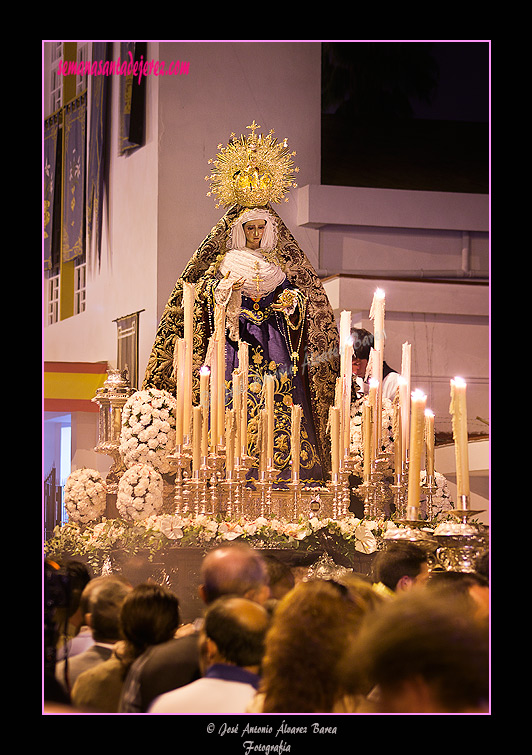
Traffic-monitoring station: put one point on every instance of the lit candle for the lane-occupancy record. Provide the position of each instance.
(204, 403)
(295, 440)
(188, 310)
(269, 399)
(196, 438)
(429, 443)
(180, 396)
(417, 434)
(458, 410)
(334, 423)
(377, 315)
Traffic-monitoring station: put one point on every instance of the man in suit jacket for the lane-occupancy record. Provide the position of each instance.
(104, 597)
(226, 570)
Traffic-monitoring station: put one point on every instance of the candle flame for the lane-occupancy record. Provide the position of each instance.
(458, 381)
(429, 413)
(205, 370)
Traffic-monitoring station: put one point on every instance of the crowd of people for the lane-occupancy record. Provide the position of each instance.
(405, 640)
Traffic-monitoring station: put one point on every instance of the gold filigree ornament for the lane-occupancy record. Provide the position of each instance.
(252, 170)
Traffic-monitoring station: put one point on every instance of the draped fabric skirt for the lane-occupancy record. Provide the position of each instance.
(271, 344)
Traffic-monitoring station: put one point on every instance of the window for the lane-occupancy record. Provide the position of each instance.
(56, 54)
(80, 273)
(128, 346)
(82, 56)
(52, 284)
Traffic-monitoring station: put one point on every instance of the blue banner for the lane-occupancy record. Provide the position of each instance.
(73, 227)
(51, 132)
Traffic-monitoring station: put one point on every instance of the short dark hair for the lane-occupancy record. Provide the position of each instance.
(398, 560)
(362, 341)
(238, 639)
(105, 603)
(149, 616)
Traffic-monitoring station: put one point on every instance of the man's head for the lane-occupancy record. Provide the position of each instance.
(234, 570)
(103, 598)
(401, 566)
(426, 653)
(233, 633)
(362, 341)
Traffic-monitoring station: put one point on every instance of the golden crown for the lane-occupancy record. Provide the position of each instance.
(252, 170)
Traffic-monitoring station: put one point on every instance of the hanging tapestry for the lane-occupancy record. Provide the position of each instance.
(51, 161)
(74, 179)
(132, 98)
(97, 147)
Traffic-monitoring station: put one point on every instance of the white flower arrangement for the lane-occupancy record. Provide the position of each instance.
(85, 496)
(201, 529)
(140, 492)
(148, 429)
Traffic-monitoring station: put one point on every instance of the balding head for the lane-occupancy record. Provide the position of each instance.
(234, 570)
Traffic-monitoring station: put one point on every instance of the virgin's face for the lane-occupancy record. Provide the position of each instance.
(254, 230)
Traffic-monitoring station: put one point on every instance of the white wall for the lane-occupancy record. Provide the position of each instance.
(229, 85)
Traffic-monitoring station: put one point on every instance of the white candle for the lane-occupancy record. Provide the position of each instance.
(334, 424)
(196, 438)
(398, 440)
(214, 396)
(220, 346)
(269, 387)
(237, 398)
(295, 440)
(188, 310)
(229, 441)
(417, 428)
(429, 443)
(345, 333)
(346, 419)
(243, 366)
(458, 410)
(263, 432)
(204, 403)
(180, 395)
(405, 396)
(372, 396)
(367, 434)
(377, 315)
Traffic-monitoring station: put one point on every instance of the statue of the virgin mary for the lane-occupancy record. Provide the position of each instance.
(251, 265)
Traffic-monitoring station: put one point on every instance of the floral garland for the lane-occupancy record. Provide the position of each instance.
(148, 429)
(140, 492)
(98, 541)
(85, 495)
